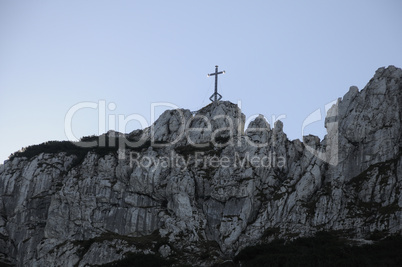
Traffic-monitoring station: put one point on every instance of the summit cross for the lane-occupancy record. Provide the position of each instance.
(216, 96)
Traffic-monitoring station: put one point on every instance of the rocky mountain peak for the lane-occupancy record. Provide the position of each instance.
(199, 189)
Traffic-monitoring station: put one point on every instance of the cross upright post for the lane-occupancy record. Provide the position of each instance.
(215, 97)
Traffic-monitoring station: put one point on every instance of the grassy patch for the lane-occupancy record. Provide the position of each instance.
(152, 241)
(310, 206)
(369, 209)
(271, 231)
(384, 169)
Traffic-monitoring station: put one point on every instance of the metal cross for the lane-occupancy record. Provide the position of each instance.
(216, 96)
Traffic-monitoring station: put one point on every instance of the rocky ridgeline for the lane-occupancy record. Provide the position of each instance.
(197, 188)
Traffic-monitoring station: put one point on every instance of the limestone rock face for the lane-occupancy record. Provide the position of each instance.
(199, 188)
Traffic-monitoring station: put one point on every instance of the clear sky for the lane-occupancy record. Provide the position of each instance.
(283, 59)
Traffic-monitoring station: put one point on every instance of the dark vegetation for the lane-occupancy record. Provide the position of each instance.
(49, 147)
(150, 242)
(138, 259)
(102, 145)
(325, 249)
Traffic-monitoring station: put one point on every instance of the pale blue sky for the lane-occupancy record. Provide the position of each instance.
(281, 58)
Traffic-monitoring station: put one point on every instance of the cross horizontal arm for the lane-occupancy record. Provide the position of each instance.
(215, 73)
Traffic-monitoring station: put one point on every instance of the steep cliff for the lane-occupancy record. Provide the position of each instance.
(196, 187)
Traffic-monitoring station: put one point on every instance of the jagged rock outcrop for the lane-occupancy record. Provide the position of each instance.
(198, 188)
